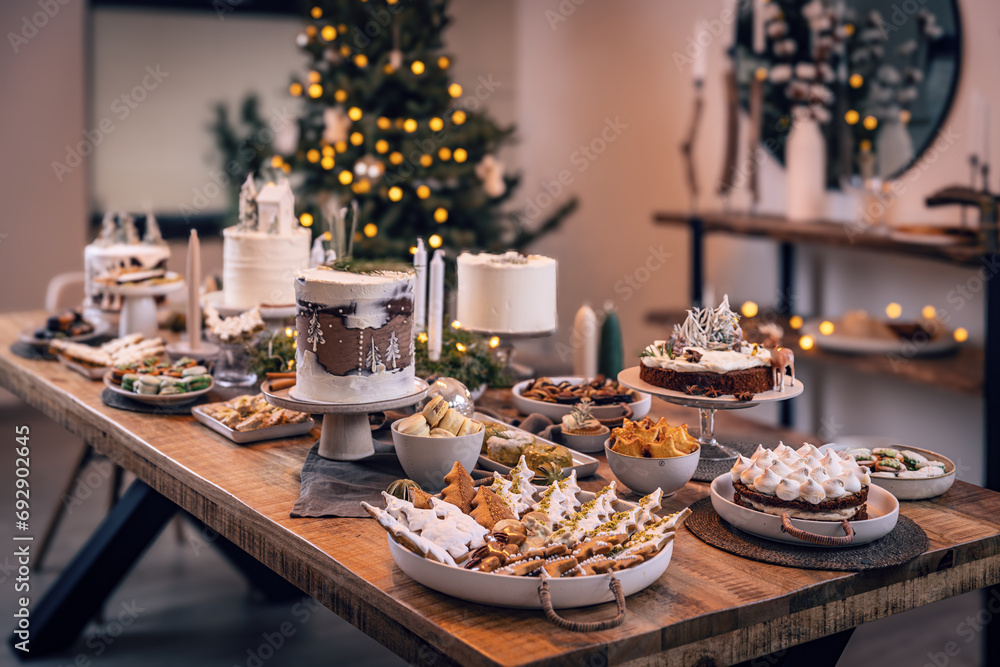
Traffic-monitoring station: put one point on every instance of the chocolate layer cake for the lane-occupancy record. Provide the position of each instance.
(754, 380)
(802, 509)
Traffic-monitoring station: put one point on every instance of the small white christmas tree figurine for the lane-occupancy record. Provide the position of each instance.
(109, 230)
(392, 350)
(373, 361)
(129, 234)
(152, 235)
(248, 205)
(315, 333)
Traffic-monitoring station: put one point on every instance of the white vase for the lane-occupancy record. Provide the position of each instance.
(805, 167)
(893, 148)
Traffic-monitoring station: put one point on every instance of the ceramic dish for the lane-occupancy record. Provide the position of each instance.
(882, 507)
(556, 411)
(156, 399)
(28, 335)
(588, 443)
(906, 488)
(583, 465)
(89, 372)
(427, 459)
(522, 592)
(254, 435)
(837, 342)
(644, 475)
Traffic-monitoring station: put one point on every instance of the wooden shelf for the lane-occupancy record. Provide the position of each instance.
(961, 372)
(827, 233)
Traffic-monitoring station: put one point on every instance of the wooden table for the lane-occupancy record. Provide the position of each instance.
(709, 608)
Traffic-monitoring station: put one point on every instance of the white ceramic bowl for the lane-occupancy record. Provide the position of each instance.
(905, 488)
(556, 411)
(585, 443)
(883, 509)
(644, 475)
(427, 460)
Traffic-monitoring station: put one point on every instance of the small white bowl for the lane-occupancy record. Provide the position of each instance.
(427, 460)
(585, 443)
(906, 488)
(644, 475)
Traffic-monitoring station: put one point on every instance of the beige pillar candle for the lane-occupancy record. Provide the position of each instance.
(194, 291)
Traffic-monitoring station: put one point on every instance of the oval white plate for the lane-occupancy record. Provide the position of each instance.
(156, 399)
(903, 488)
(556, 411)
(882, 507)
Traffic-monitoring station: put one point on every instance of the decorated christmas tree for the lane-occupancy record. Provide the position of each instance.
(384, 124)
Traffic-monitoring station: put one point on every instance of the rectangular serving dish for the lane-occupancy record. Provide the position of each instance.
(255, 435)
(583, 465)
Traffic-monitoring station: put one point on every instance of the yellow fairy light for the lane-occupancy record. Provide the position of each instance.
(856, 81)
(399, 123)
(826, 327)
(760, 74)
(795, 322)
(383, 123)
(436, 124)
(345, 177)
(388, 68)
(312, 155)
(361, 60)
(413, 250)
(371, 229)
(340, 95)
(316, 12)
(455, 90)
(495, 342)
(893, 310)
(848, 29)
(396, 158)
(460, 347)
(345, 51)
(444, 153)
(315, 90)
(423, 192)
(327, 236)
(288, 332)
(327, 163)
(961, 335)
(455, 324)
(443, 62)
(852, 117)
(328, 151)
(426, 160)
(295, 89)
(458, 117)
(362, 187)
(381, 146)
(460, 155)
(328, 32)
(865, 145)
(904, 116)
(291, 362)
(357, 138)
(287, 168)
(422, 336)
(314, 76)
(311, 31)
(395, 193)
(341, 146)
(434, 241)
(806, 342)
(295, 344)
(354, 113)
(417, 67)
(440, 215)
(306, 220)
(410, 125)
(749, 309)
(928, 312)
(870, 122)
(276, 161)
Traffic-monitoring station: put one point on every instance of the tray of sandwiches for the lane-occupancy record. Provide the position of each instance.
(252, 419)
(95, 362)
(501, 543)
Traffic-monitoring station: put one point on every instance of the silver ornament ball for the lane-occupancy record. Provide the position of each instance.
(456, 394)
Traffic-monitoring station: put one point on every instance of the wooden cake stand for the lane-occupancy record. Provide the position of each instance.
(346, 434)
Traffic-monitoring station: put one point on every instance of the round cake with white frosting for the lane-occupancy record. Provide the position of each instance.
(509, 293)
(355, 335)
(259, 268)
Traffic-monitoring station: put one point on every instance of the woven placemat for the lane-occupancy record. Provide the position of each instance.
(710, 469)
(115, 400)
(25, 351)
(906, 541)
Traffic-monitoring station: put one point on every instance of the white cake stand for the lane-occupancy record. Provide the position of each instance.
(139, 305)
(346, 434)
(711, 449)
(506, 348)
(267, 313)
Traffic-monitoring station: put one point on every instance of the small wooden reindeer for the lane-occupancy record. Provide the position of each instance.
(782, 358)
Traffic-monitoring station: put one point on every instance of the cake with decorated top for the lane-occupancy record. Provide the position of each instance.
(355, 333)
(509, 293)
(708, 355)
(117, 255)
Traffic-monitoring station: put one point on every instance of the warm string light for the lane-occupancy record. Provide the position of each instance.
(826, 327)
(314, 76)
(345, 177)
(443, 62)
(316, 12)
(455, 324)
(315, 90)
(357, 138)
(806, 342)
(426, 160)
(306, 220)
(460, 347)
(852, 117)
(423, 191)
(440, 215)
(455, 90)
(422, 337)
(795, 322)
(436, 124)
(749, 309)
(329, 33)
(312, 155)
(361, 60)
(371, 229)
(961, 335)
(340, 95)
(495, 342)
(395, 193)
(295, 89)
(395, 158)
(444, 153)
(383, 123)
(856, 81)
(870, 122)
(893, 310)
(381, 146)
(928, 312)
(417, 67)
(460, 155)
(354, 113)
(434, 241)
(458, 117)
(410, 125)
(288, 332)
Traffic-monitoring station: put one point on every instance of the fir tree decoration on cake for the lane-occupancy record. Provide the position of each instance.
(315, 337)
(373, 360)
(392, 350)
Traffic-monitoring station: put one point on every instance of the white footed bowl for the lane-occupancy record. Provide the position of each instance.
(644, 475)
(586, 443)
(427, 460)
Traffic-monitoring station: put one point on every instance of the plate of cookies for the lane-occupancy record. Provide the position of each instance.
(555, 397)
(251, 419)
(512, 539)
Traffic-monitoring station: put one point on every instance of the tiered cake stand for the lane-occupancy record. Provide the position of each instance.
(346, 434)
(711, 449)
(139, 306)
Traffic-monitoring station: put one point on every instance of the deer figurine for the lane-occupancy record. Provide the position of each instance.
(782, 358)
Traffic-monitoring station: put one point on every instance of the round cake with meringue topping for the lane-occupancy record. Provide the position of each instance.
(804, 483)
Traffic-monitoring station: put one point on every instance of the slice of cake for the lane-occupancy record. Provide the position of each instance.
(355, 334)
(707, 355)
(508, 293)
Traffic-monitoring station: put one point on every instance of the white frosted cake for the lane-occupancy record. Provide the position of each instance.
(259, 268)
(355, 335)
(116, 250)
(508, 293)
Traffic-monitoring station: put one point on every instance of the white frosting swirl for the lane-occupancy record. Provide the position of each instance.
(832, 464)
(788, 489)
(767, 482)
(712, 361)
(750, 474)
(799, 475)
(819, 474)
(852, 484)
(742, 464)
(780, 469)
(812, 491)
(834, 488)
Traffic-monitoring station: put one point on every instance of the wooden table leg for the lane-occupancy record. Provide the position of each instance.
(79, 592)
(822, 652)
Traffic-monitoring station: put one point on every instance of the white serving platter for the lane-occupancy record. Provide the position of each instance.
(630, 378)
(904, 488)
(556, 411)
(583, 465)
(253, 435)
(156, 399)
(882, 507)
(500, 590)
(89, 372)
